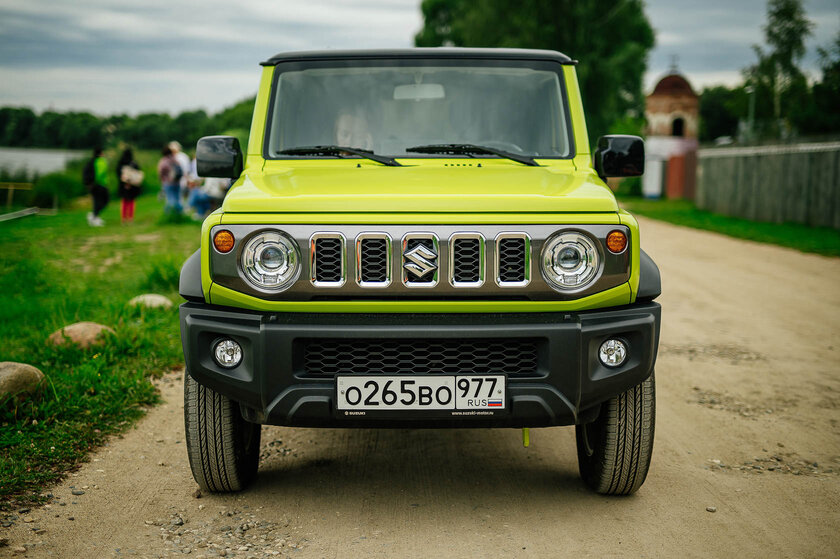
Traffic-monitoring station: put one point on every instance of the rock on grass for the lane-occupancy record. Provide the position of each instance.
(19, 379)
(151, 300)
(82, 334)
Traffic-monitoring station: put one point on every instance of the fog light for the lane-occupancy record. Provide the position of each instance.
(612, 353)
(228, 353)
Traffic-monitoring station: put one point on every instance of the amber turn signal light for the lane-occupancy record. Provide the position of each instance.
(616, 242)
(223, 241)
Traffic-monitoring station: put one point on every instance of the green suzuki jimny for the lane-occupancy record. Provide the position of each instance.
(420, 238)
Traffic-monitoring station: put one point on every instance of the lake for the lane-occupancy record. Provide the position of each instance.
(37, 161)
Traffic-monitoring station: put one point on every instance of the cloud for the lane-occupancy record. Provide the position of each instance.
(150, 90)
(129, 56)
(716, 37)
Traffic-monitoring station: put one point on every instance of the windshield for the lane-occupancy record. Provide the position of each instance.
(390, 106)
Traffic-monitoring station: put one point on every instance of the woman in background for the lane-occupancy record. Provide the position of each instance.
(130, 178)
(170, 173)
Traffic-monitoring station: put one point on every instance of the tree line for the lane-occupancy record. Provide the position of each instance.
(775, 100)
(23, 127)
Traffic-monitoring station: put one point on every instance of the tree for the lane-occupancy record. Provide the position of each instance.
(785, 33)
(189, 126)
(826, 92)
(16, 126)
(720, 110)
(148, 130)
(611, 38)
(237, 117)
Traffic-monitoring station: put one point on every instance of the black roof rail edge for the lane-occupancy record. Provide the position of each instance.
(423, 52)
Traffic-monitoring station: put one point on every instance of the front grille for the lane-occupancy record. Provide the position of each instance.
(513, 260)
(374, 260)
(329, 357)
(466, 260)
(327, 260)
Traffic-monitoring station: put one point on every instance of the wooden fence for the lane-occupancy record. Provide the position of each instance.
(794, 183)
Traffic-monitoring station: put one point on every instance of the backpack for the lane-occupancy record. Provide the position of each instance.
(89, 173)
(177, 171)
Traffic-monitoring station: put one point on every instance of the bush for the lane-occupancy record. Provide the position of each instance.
(629, 187)
(163, 273)
(60, 186)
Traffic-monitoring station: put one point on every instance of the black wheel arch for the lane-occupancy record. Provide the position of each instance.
(650, 282)
(189, 284)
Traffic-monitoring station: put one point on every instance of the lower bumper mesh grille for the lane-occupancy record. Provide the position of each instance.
(328, 357)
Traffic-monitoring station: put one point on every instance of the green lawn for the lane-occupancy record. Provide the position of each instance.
(821, 240)
(56, 270)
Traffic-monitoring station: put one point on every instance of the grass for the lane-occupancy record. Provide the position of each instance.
(56, 270)
(820, 240)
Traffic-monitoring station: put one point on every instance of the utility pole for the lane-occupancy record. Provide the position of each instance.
(750, 89)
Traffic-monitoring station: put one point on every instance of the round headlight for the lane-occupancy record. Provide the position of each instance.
(570, 261)
(271, 261)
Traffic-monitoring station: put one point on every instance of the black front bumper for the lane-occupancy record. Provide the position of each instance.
(273, 385)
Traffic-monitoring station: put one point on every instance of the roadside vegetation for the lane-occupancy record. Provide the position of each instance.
(23, 127)
(821, 240)
(57, 271)
(65, 188)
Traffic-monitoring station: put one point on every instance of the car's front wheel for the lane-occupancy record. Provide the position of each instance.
(614, 450)
(223, 448)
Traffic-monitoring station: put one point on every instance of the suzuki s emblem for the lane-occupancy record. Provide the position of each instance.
(420, 260)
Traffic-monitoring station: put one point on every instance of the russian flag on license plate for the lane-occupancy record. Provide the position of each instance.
(494, 403)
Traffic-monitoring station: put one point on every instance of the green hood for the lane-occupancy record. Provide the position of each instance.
(439, 186)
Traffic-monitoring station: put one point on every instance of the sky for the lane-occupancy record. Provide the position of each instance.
(116, 56)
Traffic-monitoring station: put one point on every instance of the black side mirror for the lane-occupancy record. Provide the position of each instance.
(218, 156)
(620, 156)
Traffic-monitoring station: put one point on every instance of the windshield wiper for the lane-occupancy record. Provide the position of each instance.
(340, 151)
(473, 149)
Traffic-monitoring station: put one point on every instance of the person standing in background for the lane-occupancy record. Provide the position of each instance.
(95, 177)
(130, 179)
(184, 162)
(170, 174)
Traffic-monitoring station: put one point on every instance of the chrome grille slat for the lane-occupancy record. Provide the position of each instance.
(466, 258)
(328, 253)
(513, 259)
(373, 260)
(327, 260)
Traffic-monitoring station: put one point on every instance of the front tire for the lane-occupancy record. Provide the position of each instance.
(614, 450)
(223, 448)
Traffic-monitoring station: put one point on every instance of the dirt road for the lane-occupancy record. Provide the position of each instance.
(748, 425)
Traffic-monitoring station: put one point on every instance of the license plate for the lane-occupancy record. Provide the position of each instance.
(432, 393)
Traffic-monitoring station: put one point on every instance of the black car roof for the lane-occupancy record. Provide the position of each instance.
(435, 52)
